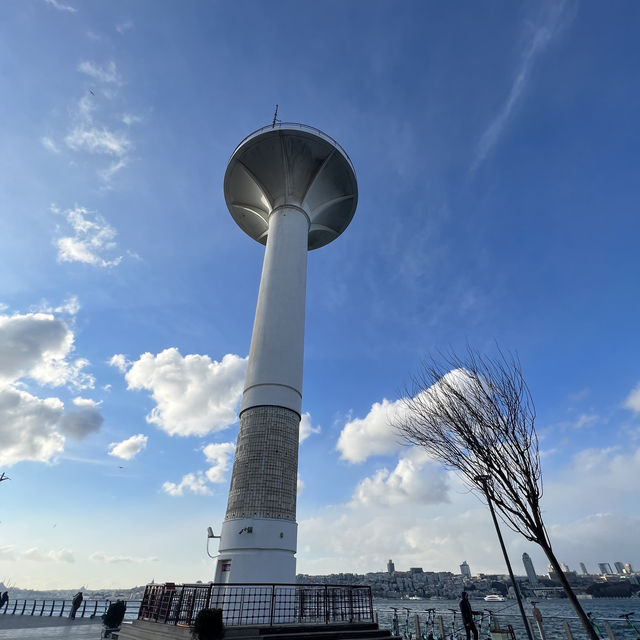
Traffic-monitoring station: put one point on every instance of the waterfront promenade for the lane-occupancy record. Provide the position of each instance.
(36, 628)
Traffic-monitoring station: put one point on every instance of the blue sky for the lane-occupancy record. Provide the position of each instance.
(495, 146)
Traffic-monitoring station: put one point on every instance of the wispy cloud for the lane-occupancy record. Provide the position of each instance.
(124, 26)
(107, 74)
(96, 140)
(101, 556)
(92, 240)
(540, 38)
(60, 6)
(49, 144)
(89, 133)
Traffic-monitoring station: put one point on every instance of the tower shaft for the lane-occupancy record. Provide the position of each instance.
(259, 533)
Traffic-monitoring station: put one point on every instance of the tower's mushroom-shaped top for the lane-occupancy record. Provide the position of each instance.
(294, 165)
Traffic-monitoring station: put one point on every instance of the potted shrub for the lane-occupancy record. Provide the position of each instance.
(208, 625)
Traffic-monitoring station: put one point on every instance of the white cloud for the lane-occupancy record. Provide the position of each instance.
(584, 420)
(35, 555)
(120, 362)
(94, 140)
(219, 456)
(129, 448)
(130, 119)
(542, 35)
(90, 133)
(371, 435)
(85, 403)
(300, 485)
(194, 395)
(70, 306)
(124, 26)
(101, 556)
(306, 428)
(92, 242)
(191, 482)
(79, 424)
(61, 6)
(28, 427)
(49, 144)
(362, 537)
(107, 74)
(38, 345)
(416, 480)
(632, 401)
(108, 173)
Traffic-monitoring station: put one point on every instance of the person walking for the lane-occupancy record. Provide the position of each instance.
(75, 604)
(467, 617)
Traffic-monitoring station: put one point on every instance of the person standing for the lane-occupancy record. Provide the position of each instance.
(75, 604)
(467, 617)
(4, 600)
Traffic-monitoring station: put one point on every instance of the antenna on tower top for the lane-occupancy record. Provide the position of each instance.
(275, 117)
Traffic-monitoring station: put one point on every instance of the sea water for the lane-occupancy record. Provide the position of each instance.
(553, 611)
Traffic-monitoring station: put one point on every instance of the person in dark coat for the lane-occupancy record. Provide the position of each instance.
(467, 617)
(4, 599)
(75, 604)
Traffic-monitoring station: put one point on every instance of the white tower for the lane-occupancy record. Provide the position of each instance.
(292, 188)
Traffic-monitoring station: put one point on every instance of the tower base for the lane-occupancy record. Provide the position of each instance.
(257, 551)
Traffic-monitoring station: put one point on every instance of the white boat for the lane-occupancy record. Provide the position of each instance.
(494, 597)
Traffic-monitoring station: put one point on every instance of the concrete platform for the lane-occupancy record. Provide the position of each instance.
(37, 628)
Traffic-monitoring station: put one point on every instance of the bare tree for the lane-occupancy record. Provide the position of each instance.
(475, 414)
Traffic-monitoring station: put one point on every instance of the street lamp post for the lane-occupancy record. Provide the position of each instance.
(484, 481)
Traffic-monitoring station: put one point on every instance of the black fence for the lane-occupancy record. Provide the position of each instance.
(62, 607)
(265, 604)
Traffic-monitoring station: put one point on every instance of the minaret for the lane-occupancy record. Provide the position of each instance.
(292, 188)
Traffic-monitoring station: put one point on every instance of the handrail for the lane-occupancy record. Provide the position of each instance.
(57, 607)
(301, 127)
(245, 604)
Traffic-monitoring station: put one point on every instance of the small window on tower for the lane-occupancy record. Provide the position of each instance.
(226, 566)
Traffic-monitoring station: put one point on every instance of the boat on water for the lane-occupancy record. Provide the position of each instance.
(494, 597)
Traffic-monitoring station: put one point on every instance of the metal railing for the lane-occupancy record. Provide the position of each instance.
(265, 604)
(446, 624)
(301, 127)
(60, 607)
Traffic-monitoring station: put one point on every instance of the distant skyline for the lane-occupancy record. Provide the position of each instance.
(495, 146)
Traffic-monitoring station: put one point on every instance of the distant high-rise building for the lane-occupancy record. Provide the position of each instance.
(604, 568)
(564, 567)
(583, 568)
(464, 570)
(390, 566)
(628, 568)
(528, 567)
(619, 566)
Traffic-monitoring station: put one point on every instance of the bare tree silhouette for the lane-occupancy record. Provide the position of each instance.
(475, 414)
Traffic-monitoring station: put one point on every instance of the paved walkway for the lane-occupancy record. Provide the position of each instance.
(36, 628)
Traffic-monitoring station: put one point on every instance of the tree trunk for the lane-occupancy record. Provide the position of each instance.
(586, 623)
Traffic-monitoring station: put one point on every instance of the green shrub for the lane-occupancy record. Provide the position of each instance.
(208, 625)
(115, 614)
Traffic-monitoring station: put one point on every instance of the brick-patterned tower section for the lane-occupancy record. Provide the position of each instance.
(264, 478)
(292, 188)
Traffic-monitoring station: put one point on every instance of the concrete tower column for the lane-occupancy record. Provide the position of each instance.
(292, 188)
(259, 533)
